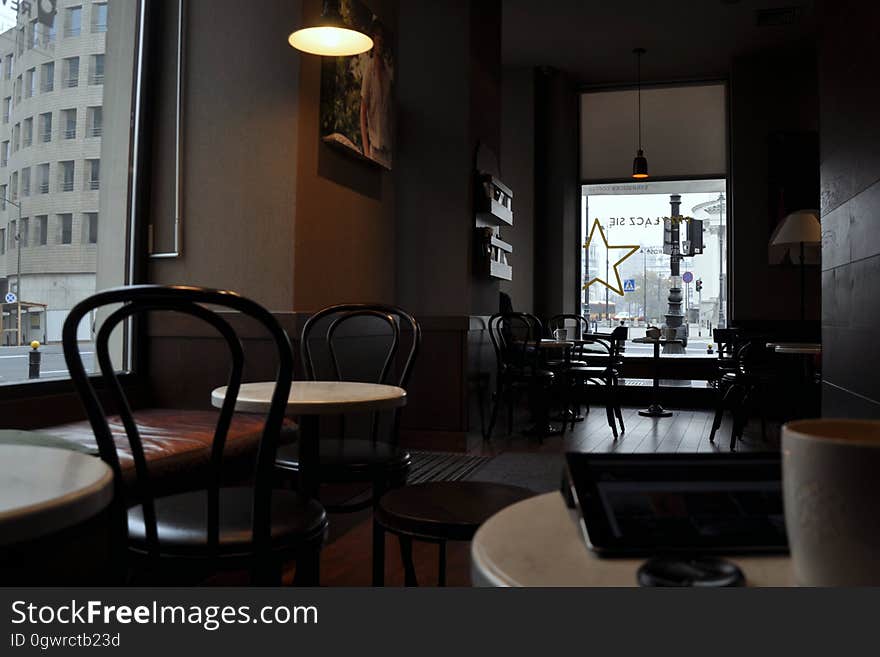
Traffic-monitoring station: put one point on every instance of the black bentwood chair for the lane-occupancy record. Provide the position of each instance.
(515, 339)
(221, 527)
(368, 343)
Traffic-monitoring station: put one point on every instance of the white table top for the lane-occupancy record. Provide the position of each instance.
(317, 397)
(44, 490)
(795, 347)
(537, 542)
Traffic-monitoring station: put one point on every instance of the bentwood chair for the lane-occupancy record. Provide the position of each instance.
(744, 386)
(603, 358)
(196, 533)
(515, 338)
(369, 343)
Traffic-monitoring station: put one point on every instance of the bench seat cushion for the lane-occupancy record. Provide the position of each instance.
(177, 445)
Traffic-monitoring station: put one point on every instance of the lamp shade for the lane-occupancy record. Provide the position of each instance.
(800, 227)
(331, 36)
(640, 166)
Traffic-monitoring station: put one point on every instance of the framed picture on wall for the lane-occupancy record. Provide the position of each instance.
(357, 93)
(792, 185)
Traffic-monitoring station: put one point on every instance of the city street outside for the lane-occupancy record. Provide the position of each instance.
(14, 362)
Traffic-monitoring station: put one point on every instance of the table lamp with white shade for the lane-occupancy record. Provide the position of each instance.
(800, 228)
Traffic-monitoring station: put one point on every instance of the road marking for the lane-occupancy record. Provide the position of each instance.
(25, 355)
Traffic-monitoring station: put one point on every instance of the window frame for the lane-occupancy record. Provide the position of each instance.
(25, 400)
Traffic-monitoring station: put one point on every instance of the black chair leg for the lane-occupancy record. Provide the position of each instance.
(308, 567)
(719, 412)
(494, 416)
(409, 568)
(609, 410)
(740, 417)
(617, 411)
(441, 575)
(510, 404)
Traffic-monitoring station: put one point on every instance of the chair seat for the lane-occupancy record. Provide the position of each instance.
(445, 510)
(347, 459)
(181, 522)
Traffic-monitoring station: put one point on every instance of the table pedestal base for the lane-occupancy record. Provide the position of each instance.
(655, 410)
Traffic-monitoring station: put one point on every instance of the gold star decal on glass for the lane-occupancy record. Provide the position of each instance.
(629, 249)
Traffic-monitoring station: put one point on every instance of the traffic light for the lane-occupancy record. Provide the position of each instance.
(699, 285)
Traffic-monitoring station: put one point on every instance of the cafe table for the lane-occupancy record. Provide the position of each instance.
(804, 348)
(656, 409)
(308, 400)
(538, 542)
(44, 490)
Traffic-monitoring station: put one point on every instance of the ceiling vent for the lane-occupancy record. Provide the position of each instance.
(777, 16)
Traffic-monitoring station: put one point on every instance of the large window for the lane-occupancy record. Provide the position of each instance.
(644, 216)
(56, 138)
(655, 250)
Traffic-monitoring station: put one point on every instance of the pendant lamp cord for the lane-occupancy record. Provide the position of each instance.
(639, 78)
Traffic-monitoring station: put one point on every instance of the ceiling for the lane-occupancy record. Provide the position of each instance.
(686, 39)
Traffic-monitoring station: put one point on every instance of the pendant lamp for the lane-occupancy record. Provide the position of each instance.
(331, 36)
(640, 162)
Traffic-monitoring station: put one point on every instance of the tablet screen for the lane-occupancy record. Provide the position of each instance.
(645, 504)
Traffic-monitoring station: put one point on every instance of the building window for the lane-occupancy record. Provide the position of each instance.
(26, 181)
(49, 32)
(46, 127)
(68, 119)
(43, 178)
(97, 68)
(96, 121)
(2, 241)
(13, 182)
(20, 39)
(42, 227)
(47, 77)
(7, 67)
(71, 72)
(27, 134)
(90, 228)
(65, 222)
(2, 197)
(94, 169)
(34, 35)
(16, 137)
(99, 17)
(7, 109)
(23, 233)
(68, 170)
(13, 235)
(4, 154)
(73, 21)
(30, 83)
(17, 90)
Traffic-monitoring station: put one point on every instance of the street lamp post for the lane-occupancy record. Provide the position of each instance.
(17, 238)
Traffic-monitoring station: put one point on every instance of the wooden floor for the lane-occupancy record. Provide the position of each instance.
(346, 559)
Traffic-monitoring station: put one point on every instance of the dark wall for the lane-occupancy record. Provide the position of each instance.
(557, 213)
(444, 110)
(240, 152)
(518, 172)
(771, 92)
(344, 236)
(850, 174)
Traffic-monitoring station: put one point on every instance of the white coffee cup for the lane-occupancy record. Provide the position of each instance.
(831, 484)
(561, 334)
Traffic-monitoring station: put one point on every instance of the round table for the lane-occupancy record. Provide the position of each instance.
(316, 397)
(537, 542)
(656, 409)
(807, 349)
(44, 490)
(310, 399)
